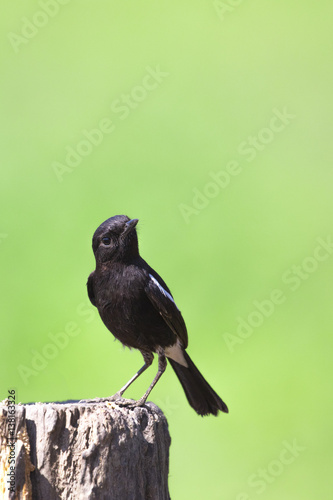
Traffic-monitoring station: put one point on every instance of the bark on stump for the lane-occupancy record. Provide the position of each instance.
(85, 451)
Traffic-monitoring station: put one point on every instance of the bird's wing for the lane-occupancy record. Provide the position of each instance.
(163, 301)
(90, 289)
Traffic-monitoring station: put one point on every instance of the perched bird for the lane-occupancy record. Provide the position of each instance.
(136, 305)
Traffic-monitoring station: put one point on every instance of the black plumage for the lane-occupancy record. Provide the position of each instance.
(136, 305)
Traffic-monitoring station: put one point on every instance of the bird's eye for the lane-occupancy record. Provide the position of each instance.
(106, 240)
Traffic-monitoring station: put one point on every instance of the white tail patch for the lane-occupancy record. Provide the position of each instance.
(175, 352)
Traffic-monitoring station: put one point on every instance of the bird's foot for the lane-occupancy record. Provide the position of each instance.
(116, 398)
(95, 400)
(128, 403)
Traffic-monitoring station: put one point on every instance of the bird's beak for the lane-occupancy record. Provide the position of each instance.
(130, 225)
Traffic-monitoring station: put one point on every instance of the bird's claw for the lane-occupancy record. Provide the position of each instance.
(128, 403)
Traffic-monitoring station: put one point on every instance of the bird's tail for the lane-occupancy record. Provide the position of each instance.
(199, 393)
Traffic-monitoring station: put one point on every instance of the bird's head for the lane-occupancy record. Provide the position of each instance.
(116, 240)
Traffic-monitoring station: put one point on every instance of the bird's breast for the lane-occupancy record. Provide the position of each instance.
(127, 311)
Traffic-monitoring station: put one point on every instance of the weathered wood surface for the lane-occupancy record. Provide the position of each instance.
(85, 451)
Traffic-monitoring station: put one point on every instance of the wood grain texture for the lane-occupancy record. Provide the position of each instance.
(91, 449)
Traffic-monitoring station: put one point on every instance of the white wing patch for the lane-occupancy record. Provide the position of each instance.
(162, 290)
(175, 351)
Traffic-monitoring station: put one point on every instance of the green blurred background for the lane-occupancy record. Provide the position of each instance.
(188, 87)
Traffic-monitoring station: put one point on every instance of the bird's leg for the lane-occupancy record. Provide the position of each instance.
(162, 363)
(148, 358)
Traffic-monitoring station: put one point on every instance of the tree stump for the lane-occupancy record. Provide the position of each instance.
(84, 450)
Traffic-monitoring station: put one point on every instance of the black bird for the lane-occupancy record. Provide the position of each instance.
(138, 308)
